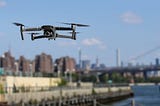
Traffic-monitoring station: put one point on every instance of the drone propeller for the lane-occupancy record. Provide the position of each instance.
(18, 24)
(21, 29)
(79, 25)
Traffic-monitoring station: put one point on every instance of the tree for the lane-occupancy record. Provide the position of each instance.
(103, 78)
(63, 82)
(89, 78)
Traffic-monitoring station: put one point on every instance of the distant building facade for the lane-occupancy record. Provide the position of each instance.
(23, 64)
(7, 61)
(157, 61)
(65, 64)
(43, 63)
(86, 64)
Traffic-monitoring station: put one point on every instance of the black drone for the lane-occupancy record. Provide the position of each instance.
(49, 31)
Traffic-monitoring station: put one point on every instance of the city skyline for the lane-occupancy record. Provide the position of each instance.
(130, 26)
(43, 63)
(22, 57)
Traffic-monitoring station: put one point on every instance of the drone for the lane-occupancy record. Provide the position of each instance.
(49, 31)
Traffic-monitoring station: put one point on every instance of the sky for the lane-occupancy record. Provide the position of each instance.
(132, 26)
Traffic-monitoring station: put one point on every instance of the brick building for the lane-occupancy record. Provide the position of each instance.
(24, 64)
(65, 64)
(43, 63)
(7, 61)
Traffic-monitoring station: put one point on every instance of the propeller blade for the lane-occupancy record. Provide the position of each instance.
(18, 24)
(79, 25)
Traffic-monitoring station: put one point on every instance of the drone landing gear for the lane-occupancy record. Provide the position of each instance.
(74, 37)
(32, 37)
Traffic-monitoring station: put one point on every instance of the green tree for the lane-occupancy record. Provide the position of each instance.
(63, 82)
(139, 79)
(1, 89)
(75, 77)
(116, 77)
(88, 78)
(153, 79)
(103, 78)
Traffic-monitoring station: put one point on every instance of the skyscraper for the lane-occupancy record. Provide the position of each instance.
(157, 61)
(97, 62)
(118, 58)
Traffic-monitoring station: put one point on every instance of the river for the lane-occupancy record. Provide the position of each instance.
(147, 95)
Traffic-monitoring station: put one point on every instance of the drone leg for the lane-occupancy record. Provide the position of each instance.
(21, 30)
(74, 38)
(32, 37)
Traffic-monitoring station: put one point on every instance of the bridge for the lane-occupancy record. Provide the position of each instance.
(132, 72)
(135, 69)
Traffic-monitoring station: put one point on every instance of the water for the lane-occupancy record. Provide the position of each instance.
(143, 96)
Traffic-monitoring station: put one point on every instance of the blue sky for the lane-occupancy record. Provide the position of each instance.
(130, 25)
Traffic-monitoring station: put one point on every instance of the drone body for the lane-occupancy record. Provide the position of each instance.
(49, 31)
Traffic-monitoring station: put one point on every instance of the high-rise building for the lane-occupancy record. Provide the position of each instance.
(97, 62)
(157, 61)
(118, 58)
(23, 64)
(1, 62)
(86, 64)
(80, 59)
(65, 64)
(8, 61)
(43, 63)
(102, 66)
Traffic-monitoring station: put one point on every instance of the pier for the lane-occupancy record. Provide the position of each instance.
(66, 96)
(85, 100)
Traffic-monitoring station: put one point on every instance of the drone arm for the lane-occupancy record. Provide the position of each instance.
(38, 37)
(63, 28)
(63, 36)
(32, 29)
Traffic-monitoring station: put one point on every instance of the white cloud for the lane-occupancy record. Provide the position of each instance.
(131, 18)
(2, 3)
(93, 42)
(67, 43)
